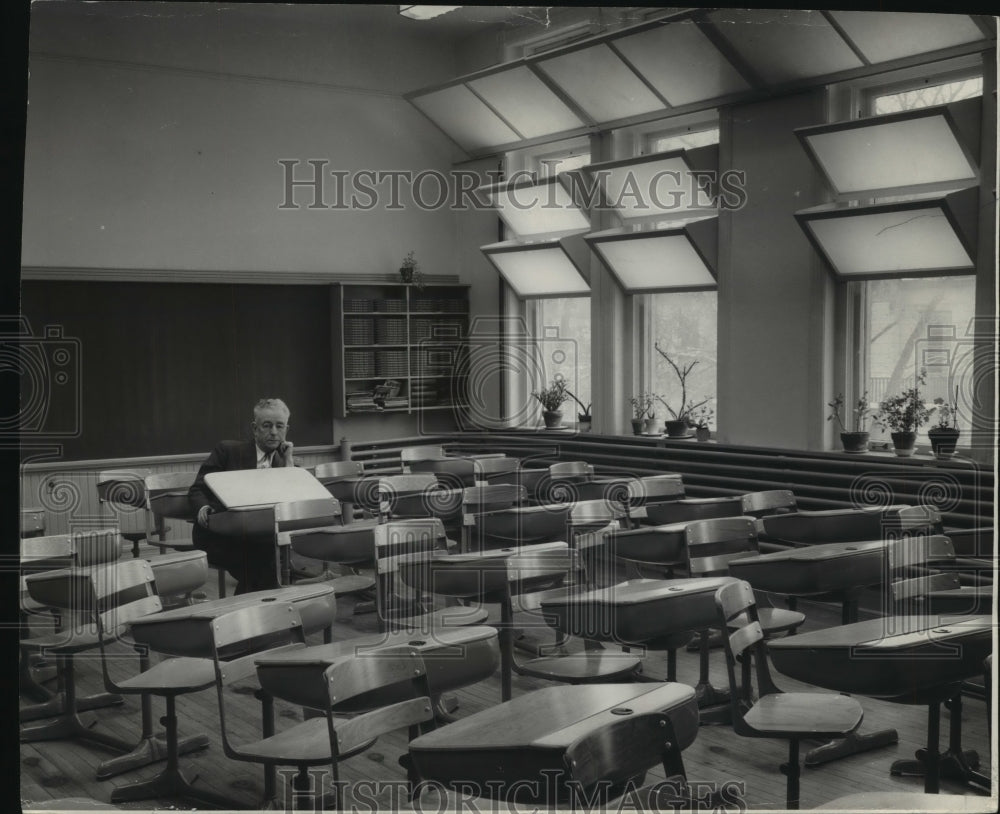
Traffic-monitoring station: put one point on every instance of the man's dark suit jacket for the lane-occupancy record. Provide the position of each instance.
(228, 456)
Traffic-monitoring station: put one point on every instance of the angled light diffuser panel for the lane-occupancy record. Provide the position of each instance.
(916, 148)
(885, 35)
(681, 63)
(656, 186)
(543, 209)
(525, 101)
(785, 46)
(537, 269)
(601, 84)
(681, 257)
(928, 235)
(465, 117)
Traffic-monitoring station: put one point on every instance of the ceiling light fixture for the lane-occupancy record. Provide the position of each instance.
(425, 12)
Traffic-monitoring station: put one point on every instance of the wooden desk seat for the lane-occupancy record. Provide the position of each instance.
(529, 749)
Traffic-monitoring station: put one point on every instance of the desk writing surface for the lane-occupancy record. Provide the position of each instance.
(553, 717)
(256, 488)
(892, 657)
(814, 569)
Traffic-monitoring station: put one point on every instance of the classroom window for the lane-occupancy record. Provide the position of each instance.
(911, 324)
(666, 142)
(562, 335)
(685, 326)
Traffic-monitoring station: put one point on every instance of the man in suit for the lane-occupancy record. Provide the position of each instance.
(251, 560)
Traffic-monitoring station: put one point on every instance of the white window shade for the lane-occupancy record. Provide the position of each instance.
(923, 236)
(465, 117)
(601, 83)
(678, 257)
(886, 35)
(917, 149)
(526, 102)
(534, 270)
(539, 209)
(658, 186)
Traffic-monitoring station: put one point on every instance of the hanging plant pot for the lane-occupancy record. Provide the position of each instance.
(854, 441)
(676, 429)
(903, 443)
(637, 426)
(552, 419)
(943, 441)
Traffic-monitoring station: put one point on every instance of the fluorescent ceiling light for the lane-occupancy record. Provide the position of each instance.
(425, 12)
(534, 270)
(680, 257)
(927, 235)
(661, 185)
(540, 209)
(934, 146)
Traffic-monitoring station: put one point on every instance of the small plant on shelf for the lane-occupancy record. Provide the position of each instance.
(903, 415)
(642, 411)
(410, 272)
(552, 398)
(855, 439)
(583, 417)
(678, 427)
(702, 420)
(944, 434)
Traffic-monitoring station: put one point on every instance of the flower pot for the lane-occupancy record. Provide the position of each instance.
(552, 419)
(702, 433)
(943, 441)
(637, 426)
(583, 422)
(649, 427)
(676, 429)
(406, 274)
(854, 441)
(903, 443)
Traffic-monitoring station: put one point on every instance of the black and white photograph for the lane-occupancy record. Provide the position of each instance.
(501, 409)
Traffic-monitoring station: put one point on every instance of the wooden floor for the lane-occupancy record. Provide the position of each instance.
(61, 769)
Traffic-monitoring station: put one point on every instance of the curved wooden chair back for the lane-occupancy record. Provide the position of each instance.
(167, 494)
(351, 545)
(622, 749)
(772, 501)
(402, 541)
(918, 518)
(491, 470)
(407, 455)
(572, 469)
(711, 544)
(306, 514)
(332, 470)
(407, 495)
(732, 601)
(123, 487)
(655, 489)
(451, 473)
(687, 509)
(909, 553)
(491, 497)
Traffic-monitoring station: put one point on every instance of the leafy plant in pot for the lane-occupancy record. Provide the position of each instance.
(702, 418)
(903, 415)
(552, 398)
(855, 439)
(944, 434)
(680, 422)
(409, 271)
(642, 406)
(584, 418)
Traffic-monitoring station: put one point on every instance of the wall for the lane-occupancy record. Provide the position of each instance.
(775, 296)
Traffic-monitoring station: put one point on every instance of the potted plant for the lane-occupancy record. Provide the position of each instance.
(552, 398)
(702, 418)
(410, 272)
(681, 417)
(903, 415)
(641, 406)
(944, 434)
(855, 439)
(583, 418)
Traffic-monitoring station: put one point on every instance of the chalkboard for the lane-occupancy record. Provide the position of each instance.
(137, 369)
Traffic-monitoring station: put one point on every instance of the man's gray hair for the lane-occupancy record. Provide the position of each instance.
(265, 404)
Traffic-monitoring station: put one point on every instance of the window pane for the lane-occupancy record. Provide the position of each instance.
(563, 338)
(684, 326)
(928, 97)
(916, 324)
(683, 141)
